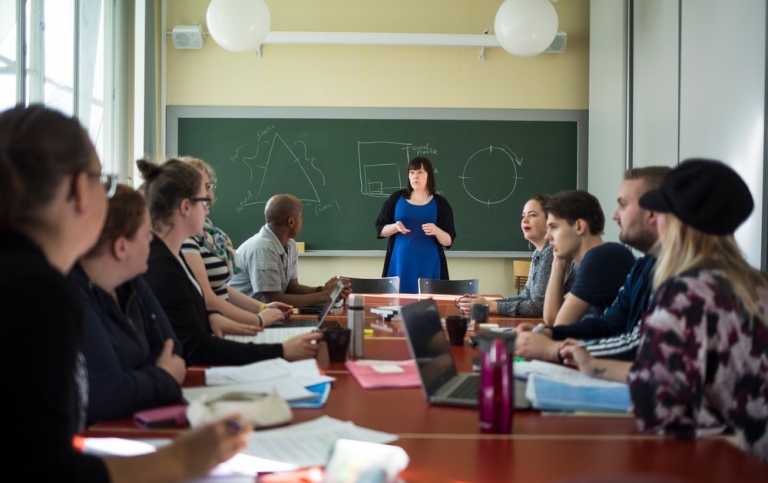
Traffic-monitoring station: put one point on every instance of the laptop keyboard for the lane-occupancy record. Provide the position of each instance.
(467, 389)
(303, 323)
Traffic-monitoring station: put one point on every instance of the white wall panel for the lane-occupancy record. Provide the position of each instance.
(722, 96)
(655, 86)
(607, 105)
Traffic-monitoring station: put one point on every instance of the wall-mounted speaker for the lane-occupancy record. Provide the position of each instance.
(558, 44)
(187, 36)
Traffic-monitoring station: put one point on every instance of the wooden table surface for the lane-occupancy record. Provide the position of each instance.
(445, 443)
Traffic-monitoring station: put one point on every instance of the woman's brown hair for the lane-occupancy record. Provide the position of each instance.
(124, 217)
(166, 185)
(39, 148)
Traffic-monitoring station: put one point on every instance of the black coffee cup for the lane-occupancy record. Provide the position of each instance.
(456, 326)
(337, 340)
(479, 313)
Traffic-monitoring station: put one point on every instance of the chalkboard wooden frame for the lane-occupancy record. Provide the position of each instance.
(580, 117)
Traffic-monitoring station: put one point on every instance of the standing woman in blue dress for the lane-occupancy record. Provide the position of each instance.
(419, 224)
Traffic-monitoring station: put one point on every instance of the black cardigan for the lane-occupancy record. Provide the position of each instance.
(42, 324)
(185, 308)
(444, 222)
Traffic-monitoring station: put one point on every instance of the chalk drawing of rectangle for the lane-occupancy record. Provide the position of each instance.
(381, 153)
(383, 179)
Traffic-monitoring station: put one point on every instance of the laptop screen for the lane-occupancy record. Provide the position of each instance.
(329, 302)
(428, 344)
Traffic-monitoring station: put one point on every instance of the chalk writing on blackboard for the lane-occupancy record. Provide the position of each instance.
(492, 162)
(281, 172)
(381, 166)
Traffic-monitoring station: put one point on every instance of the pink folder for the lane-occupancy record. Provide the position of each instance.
(384, 374)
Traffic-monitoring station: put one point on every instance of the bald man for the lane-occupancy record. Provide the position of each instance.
(269, 260)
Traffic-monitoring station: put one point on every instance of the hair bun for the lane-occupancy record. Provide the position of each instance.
(148, 169)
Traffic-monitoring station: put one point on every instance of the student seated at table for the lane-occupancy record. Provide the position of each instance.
(575, 223)
(211, 257)
(616, 333)
(132, 355)
(529, 302)
(54, 201)
(178, 205)
(703, 355)
(270, 259)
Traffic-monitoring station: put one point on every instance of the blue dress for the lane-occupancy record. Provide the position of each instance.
(414, 254)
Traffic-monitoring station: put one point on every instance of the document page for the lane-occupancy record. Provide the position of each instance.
(309, 444)
(559, 373)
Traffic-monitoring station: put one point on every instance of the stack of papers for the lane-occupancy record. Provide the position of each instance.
(552, 387)
(284, 449)
(290, 380)
(309, 444)
(276, 335)
(372, 374)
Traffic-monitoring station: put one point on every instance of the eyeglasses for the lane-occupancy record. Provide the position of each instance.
(210, 186)
(205, 201)
(109, 181)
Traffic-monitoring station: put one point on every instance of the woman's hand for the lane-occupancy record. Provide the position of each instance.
(270, 316)
(576, 356)
(221, 326)
(304, 346)
(286, 309)
(610, 370)
(199, 450)
(172, 363)
(431, 229)
(465, 301)
(401, 228)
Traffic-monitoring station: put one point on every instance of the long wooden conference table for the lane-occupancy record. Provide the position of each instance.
(445, 443)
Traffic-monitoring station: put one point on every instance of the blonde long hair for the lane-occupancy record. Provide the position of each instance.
(684, 247)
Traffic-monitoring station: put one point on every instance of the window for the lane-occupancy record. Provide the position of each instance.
(8, 53)
(64, 65)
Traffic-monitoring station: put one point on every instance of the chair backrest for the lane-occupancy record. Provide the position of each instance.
(448, 287)
(375, 285)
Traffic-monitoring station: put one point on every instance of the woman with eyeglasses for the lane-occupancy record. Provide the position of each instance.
(178, 206)
(52, 209)
(133, 357)
(211, 257)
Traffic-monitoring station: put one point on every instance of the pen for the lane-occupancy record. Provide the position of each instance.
(539, 327)
(233, 425)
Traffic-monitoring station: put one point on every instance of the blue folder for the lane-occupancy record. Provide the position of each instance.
(551, 395)
(322, 390)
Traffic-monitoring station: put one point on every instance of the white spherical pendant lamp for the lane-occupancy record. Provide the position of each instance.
(238, 25)
(526, 27)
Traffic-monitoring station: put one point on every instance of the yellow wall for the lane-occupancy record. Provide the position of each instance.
(380, 76)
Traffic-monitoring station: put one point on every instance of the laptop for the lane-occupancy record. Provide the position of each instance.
(320, 321)
(440, 380)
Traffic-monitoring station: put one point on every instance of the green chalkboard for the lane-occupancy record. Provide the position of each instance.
(344, 168)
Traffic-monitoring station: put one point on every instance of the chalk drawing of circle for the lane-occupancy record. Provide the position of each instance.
(490, 175)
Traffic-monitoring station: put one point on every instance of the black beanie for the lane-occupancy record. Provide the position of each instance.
(705, 194)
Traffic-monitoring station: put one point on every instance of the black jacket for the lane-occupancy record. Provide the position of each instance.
(185, 308)
(120, 348)
(42, 324)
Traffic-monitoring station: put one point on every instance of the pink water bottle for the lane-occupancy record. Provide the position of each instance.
(497, 383)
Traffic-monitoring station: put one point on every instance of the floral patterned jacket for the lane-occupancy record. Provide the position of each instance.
(703, 362)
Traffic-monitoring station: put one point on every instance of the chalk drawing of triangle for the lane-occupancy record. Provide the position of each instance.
(284, 173)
